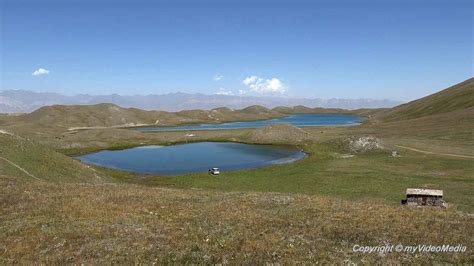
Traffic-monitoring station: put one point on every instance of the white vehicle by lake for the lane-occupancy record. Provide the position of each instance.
(214, 171)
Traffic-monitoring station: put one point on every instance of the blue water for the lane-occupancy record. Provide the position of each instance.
(300, 120)
(193, 157)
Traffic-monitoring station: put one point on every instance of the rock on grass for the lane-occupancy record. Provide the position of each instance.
(363, 144)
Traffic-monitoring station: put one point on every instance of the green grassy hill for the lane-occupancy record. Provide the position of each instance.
(255, 109)
(457, 97)
(111, 115)
(89, 115)
(56, 120)
(21, 157)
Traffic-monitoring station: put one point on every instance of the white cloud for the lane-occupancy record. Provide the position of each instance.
(40, 72)
(260, 85)
(223, 91)
(218, 77)
(250, 80)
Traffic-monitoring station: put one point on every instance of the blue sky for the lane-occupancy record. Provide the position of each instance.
(398, 50)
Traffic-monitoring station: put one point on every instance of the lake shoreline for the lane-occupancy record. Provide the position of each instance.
(211, 154)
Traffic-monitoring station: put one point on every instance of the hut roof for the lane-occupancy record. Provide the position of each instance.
(424, 192)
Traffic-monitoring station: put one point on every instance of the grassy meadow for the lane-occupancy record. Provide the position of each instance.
(62, 223)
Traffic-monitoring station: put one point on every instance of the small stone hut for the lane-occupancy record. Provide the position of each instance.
(424, 197)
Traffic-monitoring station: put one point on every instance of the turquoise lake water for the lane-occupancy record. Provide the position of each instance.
(193, 157)
(300, 120)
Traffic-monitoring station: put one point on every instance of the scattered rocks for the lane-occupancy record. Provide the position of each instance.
(363, 144)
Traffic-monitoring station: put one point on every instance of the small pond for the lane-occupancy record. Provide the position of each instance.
(193, 157)
(299, 120)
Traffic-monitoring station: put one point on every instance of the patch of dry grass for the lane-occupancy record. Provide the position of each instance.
(124, 223)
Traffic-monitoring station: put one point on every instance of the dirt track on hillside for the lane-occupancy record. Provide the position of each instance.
(436, 153)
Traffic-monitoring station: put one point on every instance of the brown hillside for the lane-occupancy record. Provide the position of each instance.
(454, 98)
(277, 133)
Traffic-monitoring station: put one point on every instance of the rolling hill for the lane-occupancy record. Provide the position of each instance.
(24, 158)
(300, 109)
(454, 98)
(111, 115)
(277, 133)
(105, 115)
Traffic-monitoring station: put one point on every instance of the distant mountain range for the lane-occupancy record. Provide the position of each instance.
(20, 101)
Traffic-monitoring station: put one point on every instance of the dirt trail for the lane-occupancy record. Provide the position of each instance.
(18, 167)
(436, 153)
